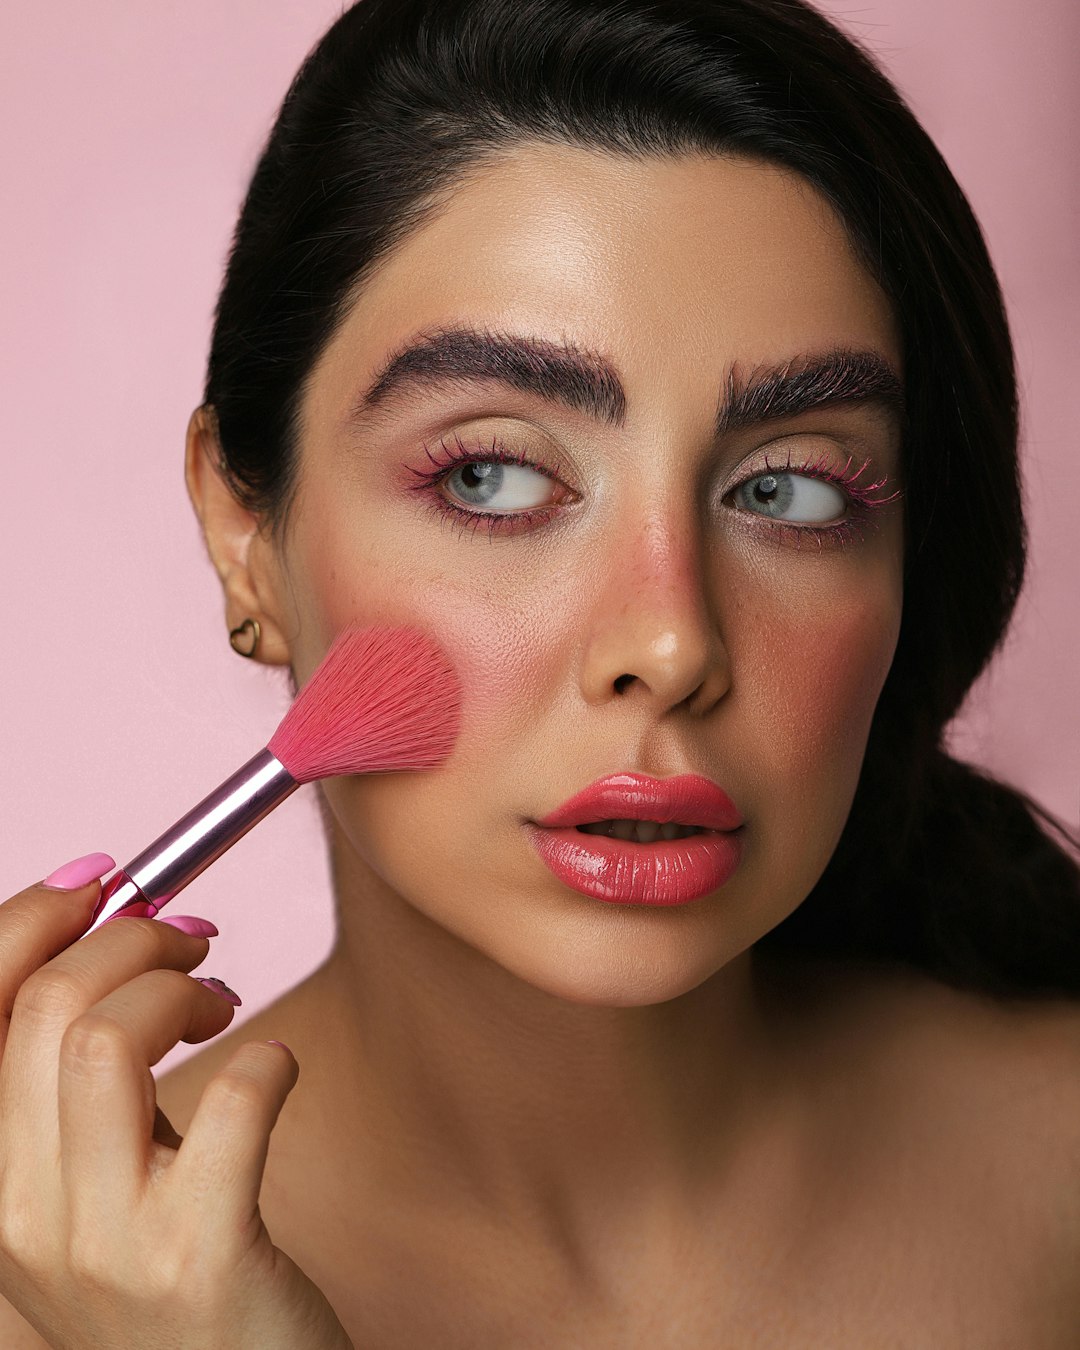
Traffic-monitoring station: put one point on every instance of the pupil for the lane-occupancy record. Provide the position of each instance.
(478, 472)
(766, 488)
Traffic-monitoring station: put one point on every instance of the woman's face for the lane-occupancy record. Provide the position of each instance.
(686, 569)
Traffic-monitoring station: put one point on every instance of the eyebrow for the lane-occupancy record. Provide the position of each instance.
(840, 376)
(586, 381)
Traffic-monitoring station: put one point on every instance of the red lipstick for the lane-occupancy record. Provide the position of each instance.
(625, 871)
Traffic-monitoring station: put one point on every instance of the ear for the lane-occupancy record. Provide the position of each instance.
(237, 542)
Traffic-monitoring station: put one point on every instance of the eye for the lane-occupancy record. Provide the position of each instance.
(791, 497)
(506, 487)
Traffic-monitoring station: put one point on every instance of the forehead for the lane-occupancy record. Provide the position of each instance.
(678, 267)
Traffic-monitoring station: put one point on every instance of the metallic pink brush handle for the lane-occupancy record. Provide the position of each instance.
(161, 871)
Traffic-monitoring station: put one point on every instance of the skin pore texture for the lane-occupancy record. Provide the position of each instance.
(524, 1113)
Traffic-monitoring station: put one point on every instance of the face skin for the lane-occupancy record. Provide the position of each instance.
(644, 623)
(755, 663)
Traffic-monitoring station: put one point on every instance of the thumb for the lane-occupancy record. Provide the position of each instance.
(223, 1155)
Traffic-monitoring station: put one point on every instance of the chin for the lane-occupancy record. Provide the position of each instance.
(618, 968)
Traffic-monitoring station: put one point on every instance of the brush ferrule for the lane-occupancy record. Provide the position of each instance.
(203, 835)
(164, 868)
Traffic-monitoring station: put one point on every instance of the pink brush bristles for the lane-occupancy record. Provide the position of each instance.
(382, 699)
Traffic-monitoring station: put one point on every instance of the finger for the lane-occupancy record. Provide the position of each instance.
(35, 926)
(106, 1093)
(221, 1161)
(62, 990)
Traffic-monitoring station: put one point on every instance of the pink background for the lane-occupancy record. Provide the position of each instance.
(129, 132)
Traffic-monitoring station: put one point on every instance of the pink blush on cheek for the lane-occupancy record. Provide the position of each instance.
(514, 659)
(496, 653)
(493, 645)
(832, 672)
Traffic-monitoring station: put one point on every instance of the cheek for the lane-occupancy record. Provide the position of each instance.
(845, 664)
(812, 687)
(507, 656)
(510, 651)
(819, 677)
(502, 644)
(495, 644)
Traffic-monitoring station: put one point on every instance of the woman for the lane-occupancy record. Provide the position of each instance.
(650, 357)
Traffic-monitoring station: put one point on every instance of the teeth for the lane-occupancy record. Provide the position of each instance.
(641, 831)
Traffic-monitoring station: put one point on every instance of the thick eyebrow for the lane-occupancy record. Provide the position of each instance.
(587, 382)
(841, 376)
(580, 379)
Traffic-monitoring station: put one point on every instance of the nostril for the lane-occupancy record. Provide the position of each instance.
(622, 682)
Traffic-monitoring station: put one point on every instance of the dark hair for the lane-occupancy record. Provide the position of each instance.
(938, 866)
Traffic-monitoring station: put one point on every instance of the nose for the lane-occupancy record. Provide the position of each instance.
(652, 633)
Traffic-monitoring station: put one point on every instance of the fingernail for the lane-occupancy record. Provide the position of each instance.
(220, 987)
(188, 923)
(80, 872)
(281, 1043)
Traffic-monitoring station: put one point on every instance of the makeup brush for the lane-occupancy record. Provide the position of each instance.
(382, 700)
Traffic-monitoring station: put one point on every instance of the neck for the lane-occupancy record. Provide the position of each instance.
(566, 1119)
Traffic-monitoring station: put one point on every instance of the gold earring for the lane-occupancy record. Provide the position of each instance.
(237, 635)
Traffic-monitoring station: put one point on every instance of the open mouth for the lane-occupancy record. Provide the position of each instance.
(640, 831)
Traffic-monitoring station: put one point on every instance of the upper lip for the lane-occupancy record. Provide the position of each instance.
(688, 799)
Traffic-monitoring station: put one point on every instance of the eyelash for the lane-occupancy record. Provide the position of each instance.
(497, 522)
(861, 499)
(852, 526)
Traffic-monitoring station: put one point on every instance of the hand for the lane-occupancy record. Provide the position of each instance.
(114, 1231)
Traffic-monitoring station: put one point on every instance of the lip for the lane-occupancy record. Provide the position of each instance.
(666, 872)
(688, 799)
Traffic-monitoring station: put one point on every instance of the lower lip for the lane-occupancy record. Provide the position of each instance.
(624, 872)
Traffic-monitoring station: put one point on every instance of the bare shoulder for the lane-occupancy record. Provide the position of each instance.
(1016, 1061)
(967, 1101)
(913, 1024)
(955, 1117)
(1009, 1055)
(1008, 1069)
(940, 1062)
(999, 1087)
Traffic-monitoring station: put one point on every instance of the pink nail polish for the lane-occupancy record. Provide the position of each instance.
(188, 923)
(220, 988)
(80, 872)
